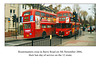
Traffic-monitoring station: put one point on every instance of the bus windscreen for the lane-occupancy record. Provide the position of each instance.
(27, 26)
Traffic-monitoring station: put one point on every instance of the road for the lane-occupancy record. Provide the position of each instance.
(87, 40)
(39, 42)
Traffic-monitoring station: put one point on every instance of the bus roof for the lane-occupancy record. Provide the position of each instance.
(39, 11)
(63, 12)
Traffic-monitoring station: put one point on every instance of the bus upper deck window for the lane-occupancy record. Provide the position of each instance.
(51, 15)
(54, 16)
(37, 13)
(59, 15)
(63, 19)
(65, 14)
(47, 15)
(70, 14)
(42, 14)
(27, 13)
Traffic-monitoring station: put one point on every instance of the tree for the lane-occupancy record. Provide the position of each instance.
(76, 8)
(67, 9)
(94, 12)
(59, 7)
(84, 14)
(55, 9)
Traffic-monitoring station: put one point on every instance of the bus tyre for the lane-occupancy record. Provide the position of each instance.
(70, 35)
(44, 34)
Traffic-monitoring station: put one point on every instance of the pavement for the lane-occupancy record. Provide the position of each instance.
(19, 37)
(88, 39)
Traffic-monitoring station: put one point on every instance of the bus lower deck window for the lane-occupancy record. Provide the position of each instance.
(43, 26)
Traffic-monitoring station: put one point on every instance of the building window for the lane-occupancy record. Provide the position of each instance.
(10, 10)
(14, 11)
(23, 6)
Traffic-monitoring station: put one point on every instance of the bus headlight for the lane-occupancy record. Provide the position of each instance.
(56, 32)
(66, 32)
(27, 35)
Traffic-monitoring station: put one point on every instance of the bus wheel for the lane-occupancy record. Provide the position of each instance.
(44, 34)
(70, 35)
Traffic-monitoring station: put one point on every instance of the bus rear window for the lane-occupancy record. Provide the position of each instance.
(27, 26)
(27, 13)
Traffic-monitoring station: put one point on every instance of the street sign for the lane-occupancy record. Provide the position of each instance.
(8, 19)
(22, 19)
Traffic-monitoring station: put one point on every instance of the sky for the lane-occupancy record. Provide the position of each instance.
(84, 6)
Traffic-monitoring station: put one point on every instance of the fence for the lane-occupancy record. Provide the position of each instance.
(12, 32)
(43, 42)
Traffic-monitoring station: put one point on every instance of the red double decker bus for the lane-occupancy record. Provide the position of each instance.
(65, 25)
(37, 23)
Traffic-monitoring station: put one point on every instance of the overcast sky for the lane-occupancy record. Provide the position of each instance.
(87, 7)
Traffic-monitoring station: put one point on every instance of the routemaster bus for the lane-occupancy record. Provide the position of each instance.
(65, 25)
(37, 23)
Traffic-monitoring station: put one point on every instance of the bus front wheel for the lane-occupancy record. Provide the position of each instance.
(44, 34)
(70, 35)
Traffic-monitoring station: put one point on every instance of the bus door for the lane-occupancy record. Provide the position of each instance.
(28, 30)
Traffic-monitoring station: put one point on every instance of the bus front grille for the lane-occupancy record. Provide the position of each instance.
(61, 33)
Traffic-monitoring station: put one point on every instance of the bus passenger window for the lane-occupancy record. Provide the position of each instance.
(27, 13)
(43, 26)
(51, 15)
(60, 19)
(52, 26)
(48, 26)
(73, 26)
(65, 14)
(54, 16)
(37, 13)
(47, 15)
(42, 14)
(59, 15)
(63, 19)
(70, 15)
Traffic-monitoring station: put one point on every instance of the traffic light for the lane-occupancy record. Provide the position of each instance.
(20, 19)
(14, 18)
(75, 17)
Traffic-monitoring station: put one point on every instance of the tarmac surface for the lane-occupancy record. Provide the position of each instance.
(88, 39)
